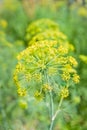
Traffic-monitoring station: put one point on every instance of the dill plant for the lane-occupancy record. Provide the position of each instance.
(47, 67)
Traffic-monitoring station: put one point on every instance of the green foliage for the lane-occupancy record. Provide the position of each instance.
(8, 96)
(16, 18)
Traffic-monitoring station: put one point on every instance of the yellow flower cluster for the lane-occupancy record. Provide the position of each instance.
(40, 26)
(38, 95)
(22, 92)
(46, 29)
(76, 78)
(66, 76)
(47, 87)
(64, 92)
(72, 61)
(62, 50)
(44, 60)
(39, 59)
(49, 35)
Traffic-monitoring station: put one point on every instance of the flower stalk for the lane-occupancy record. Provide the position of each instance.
(56, 113)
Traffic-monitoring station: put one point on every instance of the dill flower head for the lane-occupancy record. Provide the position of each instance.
(46, 29)
(49, 34)
(40, 26)
(40, 61)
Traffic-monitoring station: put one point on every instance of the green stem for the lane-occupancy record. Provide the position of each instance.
(52, 109)
(51, 104)
(55, 115)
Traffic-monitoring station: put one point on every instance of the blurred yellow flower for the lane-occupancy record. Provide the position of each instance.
(3, 23)
(83, 58)
(38, 95)
(76, 99)
(82, 11)
(23, 104)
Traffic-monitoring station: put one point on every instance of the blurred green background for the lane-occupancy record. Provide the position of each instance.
(15, 16)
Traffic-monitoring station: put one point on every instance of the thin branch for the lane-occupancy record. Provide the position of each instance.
(55, 115)
(51, 105)
(58, 110)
